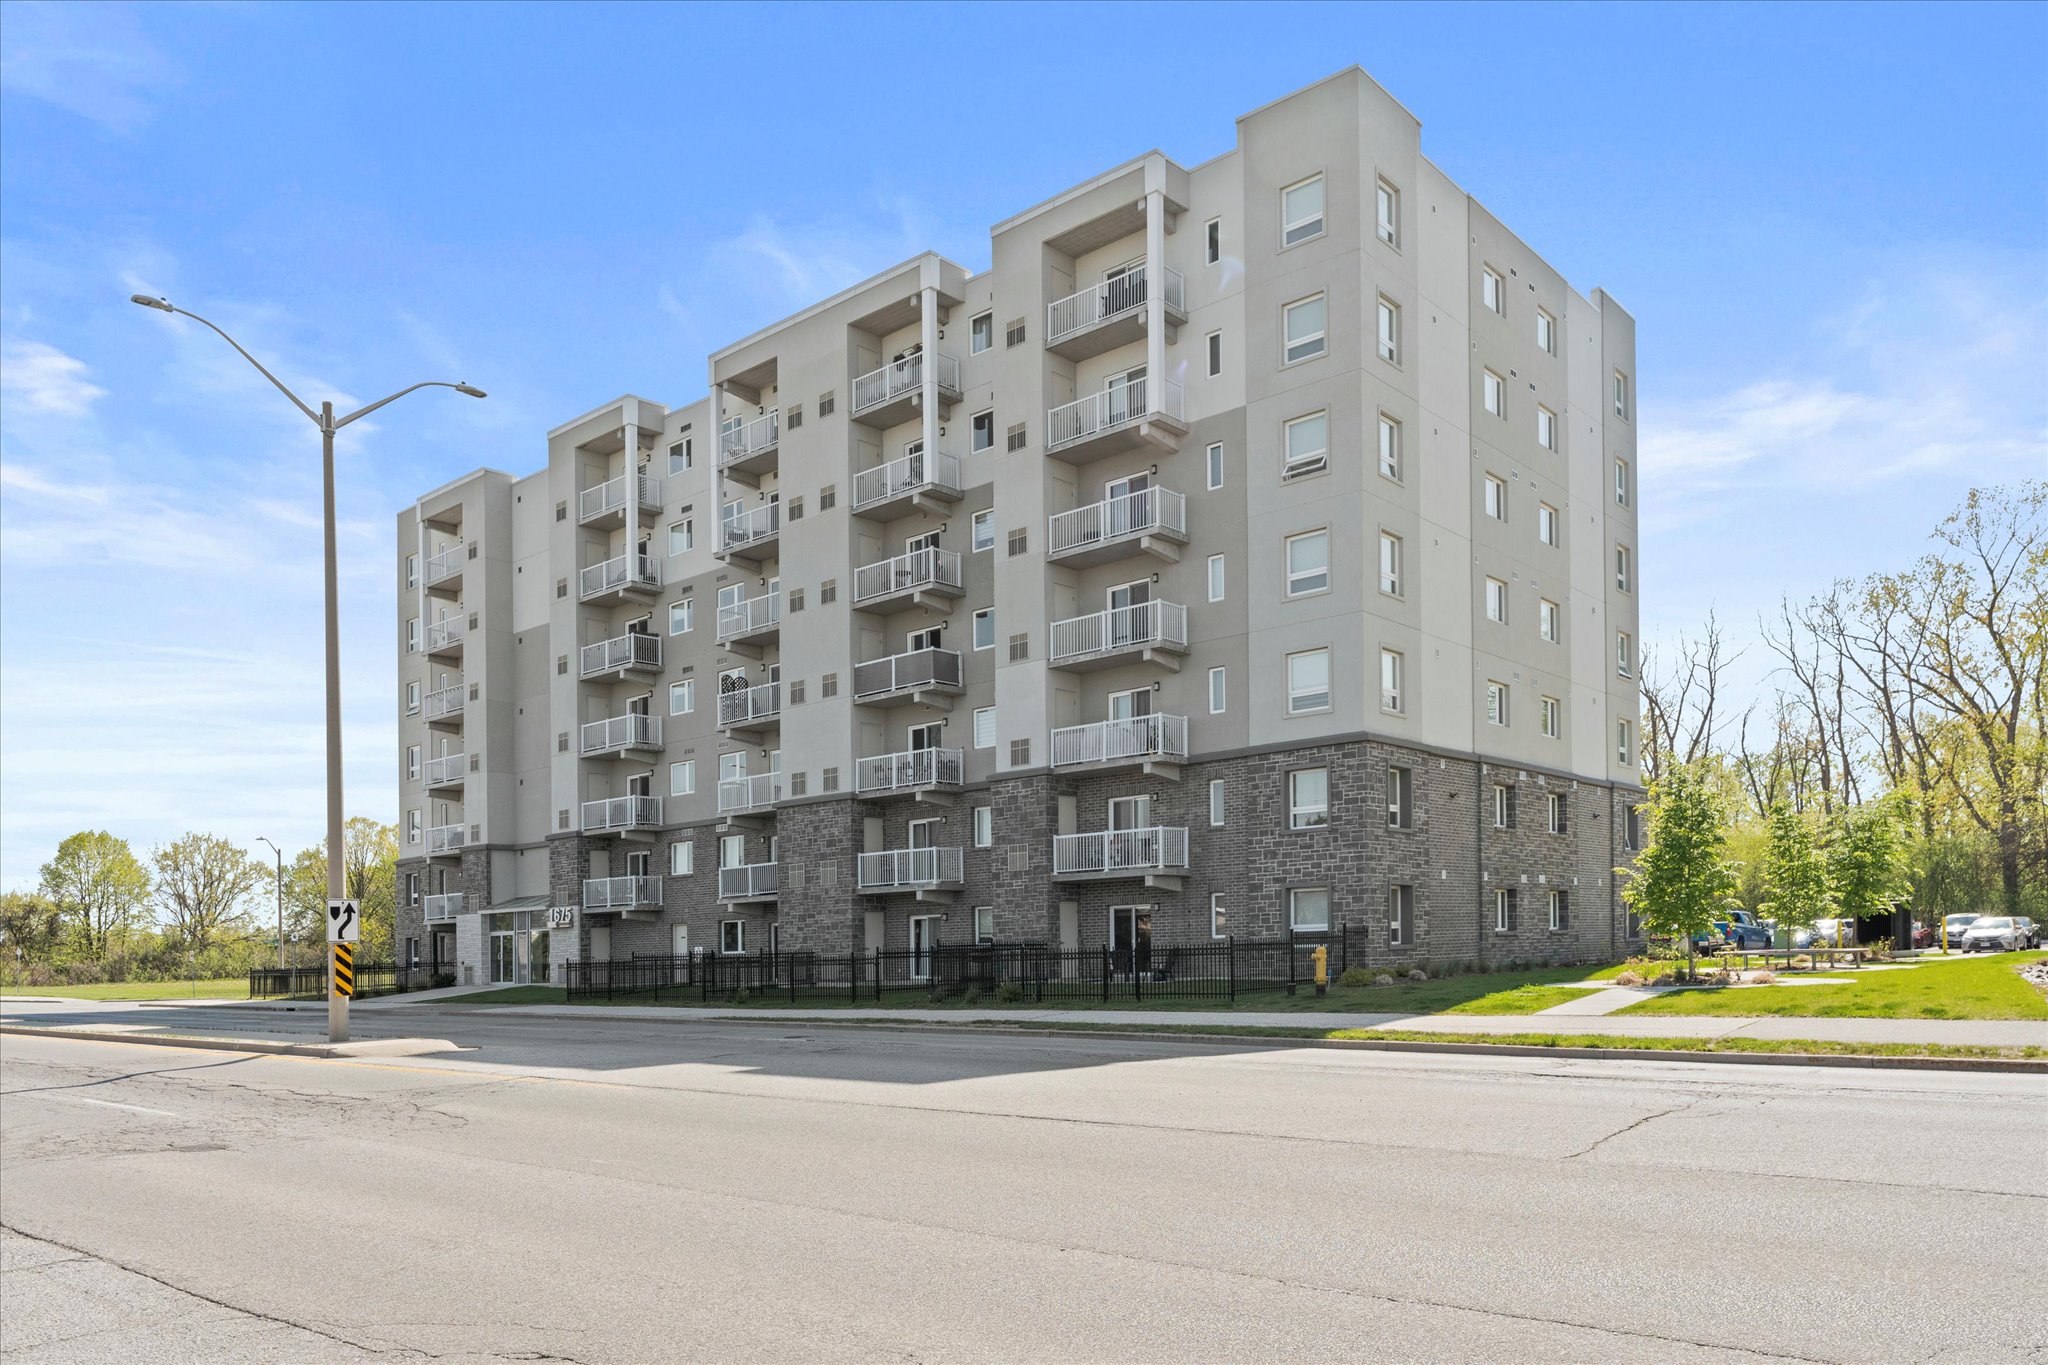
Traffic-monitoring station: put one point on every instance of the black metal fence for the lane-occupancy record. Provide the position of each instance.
(371, 978)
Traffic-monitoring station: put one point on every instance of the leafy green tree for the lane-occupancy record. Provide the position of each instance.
(1682, 879)
(100, 889)
(1795, 871)
(1868, 861)
(369, 874)
(203, 884)
(31, 927)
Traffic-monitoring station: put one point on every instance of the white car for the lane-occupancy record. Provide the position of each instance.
(1994, 934)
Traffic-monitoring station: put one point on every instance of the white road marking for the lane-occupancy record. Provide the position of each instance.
(110, 1104)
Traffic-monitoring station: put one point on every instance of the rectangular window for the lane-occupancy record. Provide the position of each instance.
(1390, 447)
(1546, 427)
(1308, 681)
(1218, 924)
(1306, 444)
(1390, 331)
(1496, 703)
(413, 827)
(1304, 329)
(982, 432)
(1308, 563)
(1503, 807)
(1308, 798)
(682, 536)
(1496, 601)
(985, 628)
(1546, 619)
(1621, 567)
(1215, 578)
(1546, 332)
(412, 699)
(981, 333)
(1301, 211)
(1389, 214)
(984, 924)
(984, 530)
(1624, 751)
(1400, 915)
(682, 858)
(1546, 523)
(681, 456)
(412, 897)
(412, 571)
(732, 936)
(1503, 910)
(984, 826)
(1555, 812)
(1215, 354)
(1308, 909)
(1624, 655)
(1216, 691)
(412, 762)
(1495, 391)
(1493, 290)
(682, 697)
(1620, 394)
(1390, 563)
(682, 615)
(1550, 711)
(412, 635)
(985, 727)
(1390, 681)
(1560, 912)
(1496, 498)
(1621, 483)
(1216, 806)
(1216, 465)
(682, 778)
(1400, 798)
(1212, 241)
(1632, 828)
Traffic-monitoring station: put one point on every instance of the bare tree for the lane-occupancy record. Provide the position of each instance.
(1681, 695)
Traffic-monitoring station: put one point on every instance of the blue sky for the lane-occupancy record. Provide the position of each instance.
(1829, 222)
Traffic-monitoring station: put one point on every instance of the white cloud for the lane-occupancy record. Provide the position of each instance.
(42, 379)
(92, 60)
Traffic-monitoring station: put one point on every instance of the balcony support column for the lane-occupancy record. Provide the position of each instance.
(629, 459)
(928, 397)
(1155, 300)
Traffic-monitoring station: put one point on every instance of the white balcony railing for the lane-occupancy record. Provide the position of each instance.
(930, 568)
(903, 672)
(749, 615)
(443, 769)
(442, 909)
(610, 495)
(620, 893)
(444, 564)
(447, 701)
(1112, 741)
(1128, 514)
(747, 439)
(447, 838)
(909, 769)
(737, 530)
(909, 474)
(749, 881)
(630, 731)
(1099, 412)
(631, 650)
(749, 705)
(1109, 299)
(443, 633)
(621, 812)
(909, 868)
(621, 571)
(900, 378)
(1157, 849)
(738, 795)
(1146, 625)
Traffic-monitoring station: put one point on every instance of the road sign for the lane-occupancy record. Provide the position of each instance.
(344, 970)
(344, 922)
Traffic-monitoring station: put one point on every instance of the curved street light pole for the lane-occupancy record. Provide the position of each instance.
(280, 896)
(337, 1004)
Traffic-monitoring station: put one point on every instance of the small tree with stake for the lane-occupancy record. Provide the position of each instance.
(1682, 878)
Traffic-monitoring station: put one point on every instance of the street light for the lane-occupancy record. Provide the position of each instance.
(280, 899)
(337, 1005)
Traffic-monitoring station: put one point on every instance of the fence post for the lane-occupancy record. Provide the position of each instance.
(1105, 974)
(1137, 977)
(1230, 958)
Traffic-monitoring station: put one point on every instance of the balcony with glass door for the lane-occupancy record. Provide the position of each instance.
(617, 736)
(1149, 521)
(622, 893)
(752, 446)
(1133, 742)
(622, 815)
(929, 677)
(442, 573)
(603, 507)
(913, 772)
(447, 841)
(1158, 855)
(443, 639)
(749, 794)
(442, 909)
(894, 393)
(750, 882)
(445, 772)
(747, 709)
(1136, 414)
(1113, 313)
(635, 652)
(911, 869)
(929, 577)
(914, 483)
(751, 535)
(635, 573)
(443, 705)
(1148, 632)
(753, 620)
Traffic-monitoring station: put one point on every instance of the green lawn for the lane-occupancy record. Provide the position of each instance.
(227, 988)
(1520, 1000)
(1969, 988)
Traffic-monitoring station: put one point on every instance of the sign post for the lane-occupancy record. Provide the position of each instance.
(344, 931)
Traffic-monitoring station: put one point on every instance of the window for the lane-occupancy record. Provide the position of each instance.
(412, 635)
(981, 333)
(1389, 214)
(1306, 444)
(1390, 563)
(1216, 465)
(1621, 575)
(1503, 910)
(1546, 523)
(412, 571)
(1308, 909)
(1390, 331)
(682, 455)
(1301, 211)
(1555, 812)
(1503, 806)
(1546, 332)
(1212, 241)
(1496, 601)
(1215, 354)
(1624, 655)
(682, 858)
(682, 697)
(412, 892)
(1390, 680)
(412, 762)
(1303, 329)
(682, 778)
(984, 524)
(1560, 911)
(1216, 802)
(985, 727)
(985, 628)
(682, 536)
(412, 699)
(1390, 447)
(1215, 578)
(1621, 483)
(1550, 713)
(984, 924)
(1546, 619)
(1546, 427)
(682, 616)
(1308, 681)
(1308, 563)
(1632, 828)
(1495, 391)
(982, 432)
(1400, 915)
(1400, 797)
(1620, 394)
(984, 826)
(412, 827)
(1218, 926)
(1623, 751)
(732, 936)
(1496, 498)
(1496, 703)
(1216, 691)
(1308, 798)
(1493, 290)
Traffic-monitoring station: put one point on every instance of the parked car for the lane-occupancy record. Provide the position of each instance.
(1923, 934)
(1953, 927)
(1994, 934)
(1826, 933)
(2033, 930)
(1741, 930)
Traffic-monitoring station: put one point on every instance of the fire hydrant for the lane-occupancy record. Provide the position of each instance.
(1322, 958)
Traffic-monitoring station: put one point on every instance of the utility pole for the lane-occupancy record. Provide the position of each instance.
(280, 898)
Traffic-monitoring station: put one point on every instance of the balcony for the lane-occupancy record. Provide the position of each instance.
(914, 483)
(929, 677)
(750, 708)
(622, 893)
(750, 535)
(446, 841)
(445, 770)
(443, 639)
(922, 578)
(1158, 855)
(633, 652)
(1150, 632)
(443, 705)
(750, 448)
(604, 506)
(1110, 314)
(442, 909)
(616, 736)
(1148, 742)
(910, 869)
(622, 815)
(442, 573)
(910, 773)
(753, 620)
(892, 394)
(614, 578)
(750, 882)
(1116, 420)
(749, 795)
(1152, 521)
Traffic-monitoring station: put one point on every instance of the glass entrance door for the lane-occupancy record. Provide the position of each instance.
(1130, 938)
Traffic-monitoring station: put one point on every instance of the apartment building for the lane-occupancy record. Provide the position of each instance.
(1251, 549)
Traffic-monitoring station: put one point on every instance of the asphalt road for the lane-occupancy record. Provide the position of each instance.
(626, 1192)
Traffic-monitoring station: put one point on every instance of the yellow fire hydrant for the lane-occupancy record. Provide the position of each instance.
(1322, 957)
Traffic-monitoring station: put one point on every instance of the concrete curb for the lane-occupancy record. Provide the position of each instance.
(367, 1047)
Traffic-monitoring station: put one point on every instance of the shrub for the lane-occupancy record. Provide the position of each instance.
(1627, 978)
(1009, 993)
(1764, 977)
(1383, 980)
(971, 996)
(1356, 976)
(742, 996)
(1417, 974)
(442, 980)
